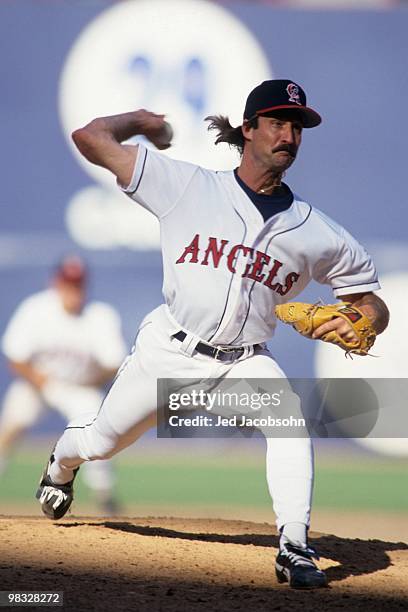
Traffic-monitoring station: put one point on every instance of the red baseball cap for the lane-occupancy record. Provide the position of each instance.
(72, 270)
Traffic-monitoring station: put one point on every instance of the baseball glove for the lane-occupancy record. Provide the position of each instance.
(305, 318)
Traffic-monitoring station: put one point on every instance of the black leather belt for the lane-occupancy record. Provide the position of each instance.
(221, 354)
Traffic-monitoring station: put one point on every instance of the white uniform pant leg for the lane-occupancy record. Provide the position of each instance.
(98, 476)
(72, 400)
(22, 406)
(130, 402)
(130, 407)
(128, 410)
(289, 461)
(76, 402)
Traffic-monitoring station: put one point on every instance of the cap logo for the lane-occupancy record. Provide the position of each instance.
(293, 93)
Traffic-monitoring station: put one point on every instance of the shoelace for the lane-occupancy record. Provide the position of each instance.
(49, 492)
(299, 556)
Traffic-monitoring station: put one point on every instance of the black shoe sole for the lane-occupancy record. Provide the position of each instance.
(281, 577)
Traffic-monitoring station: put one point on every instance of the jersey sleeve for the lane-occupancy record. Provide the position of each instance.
(18, 342)
(158, 181)
(347, 268)
(110, 346)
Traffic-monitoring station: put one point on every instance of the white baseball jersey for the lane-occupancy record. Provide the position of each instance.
(225, 269)
(71, 348)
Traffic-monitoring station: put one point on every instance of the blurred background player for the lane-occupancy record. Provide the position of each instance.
(63, 351)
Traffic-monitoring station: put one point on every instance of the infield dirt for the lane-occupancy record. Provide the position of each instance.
(178, 564)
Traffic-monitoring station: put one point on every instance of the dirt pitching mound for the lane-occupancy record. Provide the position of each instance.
(174, 564)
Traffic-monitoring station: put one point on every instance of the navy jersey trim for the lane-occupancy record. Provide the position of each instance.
(355, 285)
(81, 426)
(141, 175)
(230, 284)
(266, 250)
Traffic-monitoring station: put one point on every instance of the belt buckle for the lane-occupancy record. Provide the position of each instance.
(228, 352)
(217, 352)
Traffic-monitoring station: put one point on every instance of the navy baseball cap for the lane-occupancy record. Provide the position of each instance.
(280, 94)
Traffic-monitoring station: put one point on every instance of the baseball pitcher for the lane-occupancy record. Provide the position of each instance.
(236, 245)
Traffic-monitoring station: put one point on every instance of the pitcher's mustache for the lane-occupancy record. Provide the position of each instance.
(287, 148)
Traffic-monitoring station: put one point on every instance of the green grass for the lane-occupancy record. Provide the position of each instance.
(371, 488)
(195, 483)
(234, 482)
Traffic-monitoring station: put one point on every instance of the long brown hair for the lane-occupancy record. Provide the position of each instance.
(226, 133)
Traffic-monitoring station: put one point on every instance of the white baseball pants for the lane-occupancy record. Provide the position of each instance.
(129, 409)
(23, 406)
